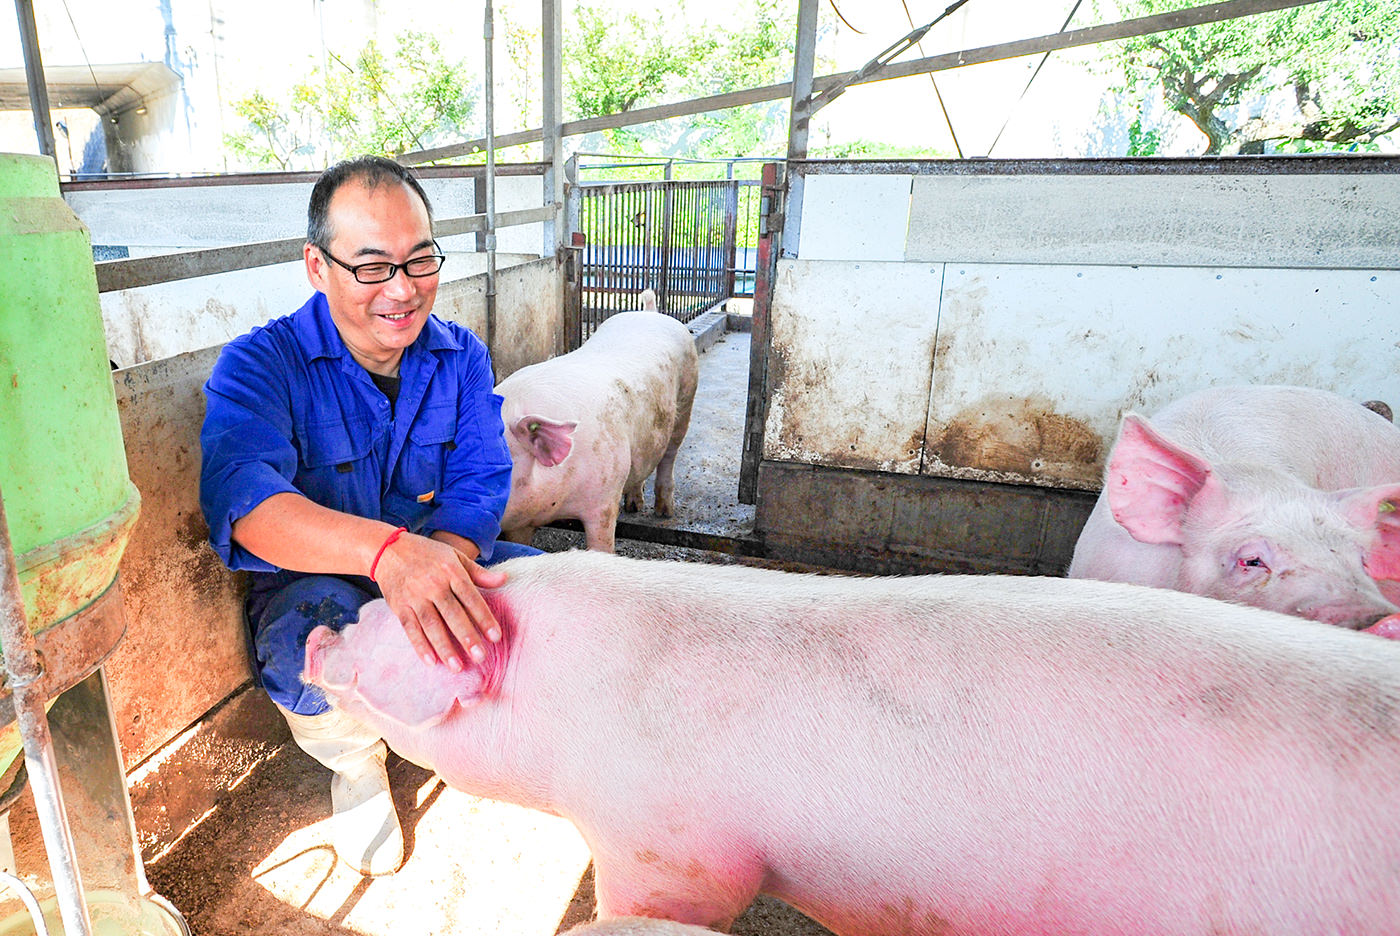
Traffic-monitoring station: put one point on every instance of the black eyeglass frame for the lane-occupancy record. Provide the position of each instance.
(394, 268)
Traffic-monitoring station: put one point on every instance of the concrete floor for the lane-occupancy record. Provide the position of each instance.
(261, 862)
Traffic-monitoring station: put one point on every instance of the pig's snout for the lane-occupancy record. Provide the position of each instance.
(1387, 627)
(317, 641)
(1356, 612)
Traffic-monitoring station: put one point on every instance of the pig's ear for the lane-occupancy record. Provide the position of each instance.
(549, 440)
(1377, 509)
(1150, 482)
(434, 690)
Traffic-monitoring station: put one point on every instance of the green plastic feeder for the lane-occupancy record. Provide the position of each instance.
(63, 469)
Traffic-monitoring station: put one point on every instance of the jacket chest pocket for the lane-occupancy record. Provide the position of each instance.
(423, 462)
(337, 463)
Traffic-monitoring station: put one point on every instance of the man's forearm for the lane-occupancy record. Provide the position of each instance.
(293, 532)
(460, 543)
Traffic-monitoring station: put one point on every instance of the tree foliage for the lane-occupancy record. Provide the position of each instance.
(1321, 76)
(613, 62)
(617, 62)
(372, 104)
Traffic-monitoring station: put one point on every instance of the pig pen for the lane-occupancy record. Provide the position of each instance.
(939, 356)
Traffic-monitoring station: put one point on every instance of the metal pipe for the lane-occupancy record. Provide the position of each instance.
(34, 75)
(26, 897)
(25, 678)
(551, 134)
(489, 32)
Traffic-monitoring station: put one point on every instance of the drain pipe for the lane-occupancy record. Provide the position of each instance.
(490, 184)
(24, 677)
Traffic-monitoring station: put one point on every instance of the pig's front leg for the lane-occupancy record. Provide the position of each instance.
(524, 534)
(685, 889)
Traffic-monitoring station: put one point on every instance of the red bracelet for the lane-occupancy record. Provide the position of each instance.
(387, 543)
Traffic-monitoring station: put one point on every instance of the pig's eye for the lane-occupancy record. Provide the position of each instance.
(1246, 563)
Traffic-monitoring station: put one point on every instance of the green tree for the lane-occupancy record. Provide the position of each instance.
(1321, 76)
(616, 62)
(372, 104)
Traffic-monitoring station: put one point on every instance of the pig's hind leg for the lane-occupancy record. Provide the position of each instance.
(682, 889)
(632, 497)
(600, 527)
(666, 468)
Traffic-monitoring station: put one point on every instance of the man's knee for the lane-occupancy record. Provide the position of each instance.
(282, 626)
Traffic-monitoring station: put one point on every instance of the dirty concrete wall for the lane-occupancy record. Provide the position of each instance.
(184, 650)
(992, 322)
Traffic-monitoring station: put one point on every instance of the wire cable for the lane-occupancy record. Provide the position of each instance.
(947, 118)
(1043, 59)
(82, 48)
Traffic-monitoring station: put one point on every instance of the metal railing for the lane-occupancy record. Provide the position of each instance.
(693, 242)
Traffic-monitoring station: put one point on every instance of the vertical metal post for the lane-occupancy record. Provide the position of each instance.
(489, 34)
(23, 674)
(800, 118)
(552, 85)
(771, 222)
(668, 239)
(34, 75)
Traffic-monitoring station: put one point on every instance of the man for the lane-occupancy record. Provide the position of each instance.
(355, 449)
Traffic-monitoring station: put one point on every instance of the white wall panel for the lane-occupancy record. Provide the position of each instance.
(1240, 219)
(855, 217)
(1036, 364)
(850, 363)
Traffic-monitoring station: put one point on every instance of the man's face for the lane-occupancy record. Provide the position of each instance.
(385, 223)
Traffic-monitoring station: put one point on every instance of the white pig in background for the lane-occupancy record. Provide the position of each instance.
(1280, 497)
(587, 428)
(917, 756)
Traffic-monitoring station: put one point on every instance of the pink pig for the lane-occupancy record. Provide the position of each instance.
(586, 429)
(1279, 497)
(920, 755)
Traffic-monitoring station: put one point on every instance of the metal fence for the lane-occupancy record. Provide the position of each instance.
(679, 238)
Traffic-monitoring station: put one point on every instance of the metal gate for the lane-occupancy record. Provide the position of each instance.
(675, 237)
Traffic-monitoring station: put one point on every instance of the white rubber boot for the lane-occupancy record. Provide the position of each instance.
(365, 827)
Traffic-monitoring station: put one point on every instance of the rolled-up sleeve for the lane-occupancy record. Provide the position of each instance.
(246, 442)
(476, 475)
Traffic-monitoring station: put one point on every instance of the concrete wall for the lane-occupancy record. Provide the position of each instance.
(992, 323)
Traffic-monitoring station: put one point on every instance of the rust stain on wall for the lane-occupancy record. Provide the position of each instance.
(1022, 436)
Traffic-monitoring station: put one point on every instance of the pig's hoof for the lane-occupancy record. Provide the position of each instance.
(665, 508)
(631, 506)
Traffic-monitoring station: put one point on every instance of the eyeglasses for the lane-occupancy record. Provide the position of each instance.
(382, 272)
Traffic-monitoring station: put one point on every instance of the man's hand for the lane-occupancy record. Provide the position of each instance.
(433, 587)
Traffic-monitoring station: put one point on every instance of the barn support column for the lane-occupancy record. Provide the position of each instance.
(552, 85)
(34, 73)
(800, 115)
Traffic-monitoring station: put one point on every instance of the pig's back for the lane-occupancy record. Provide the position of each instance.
(632, 355)
(853, 719)
(1318, 437)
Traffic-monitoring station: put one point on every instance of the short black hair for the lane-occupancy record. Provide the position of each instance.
(370, 171)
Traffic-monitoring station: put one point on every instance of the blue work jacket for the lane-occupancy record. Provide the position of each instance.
(289, 409)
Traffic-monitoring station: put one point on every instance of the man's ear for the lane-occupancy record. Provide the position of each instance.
(317, 269)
